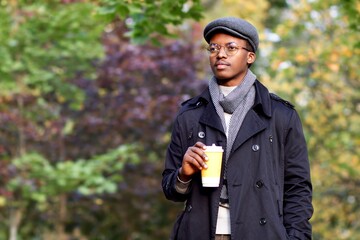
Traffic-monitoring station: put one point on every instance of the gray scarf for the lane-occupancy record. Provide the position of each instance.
(238, 103)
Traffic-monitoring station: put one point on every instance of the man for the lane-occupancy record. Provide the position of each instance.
(265, 190)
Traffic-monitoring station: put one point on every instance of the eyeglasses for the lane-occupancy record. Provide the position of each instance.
(230, 49)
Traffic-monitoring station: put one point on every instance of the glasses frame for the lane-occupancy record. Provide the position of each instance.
(226, 49)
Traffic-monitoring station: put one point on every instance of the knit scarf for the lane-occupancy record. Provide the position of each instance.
(238, 102)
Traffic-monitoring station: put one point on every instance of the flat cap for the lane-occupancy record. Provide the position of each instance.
(236, 27)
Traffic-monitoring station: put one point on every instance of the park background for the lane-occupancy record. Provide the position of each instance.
(89, 90)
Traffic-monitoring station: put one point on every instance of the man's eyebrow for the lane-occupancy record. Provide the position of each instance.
(225, 43)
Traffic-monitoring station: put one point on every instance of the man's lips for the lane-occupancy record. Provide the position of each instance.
(221, 64)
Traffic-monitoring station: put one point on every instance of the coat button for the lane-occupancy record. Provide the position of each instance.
(271, 138)
(255, 147)
(259, 184)
(262, 221)
(201, 134)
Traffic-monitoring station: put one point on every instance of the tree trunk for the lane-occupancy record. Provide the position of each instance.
(60, 222)
(21, 134)
(15, 219)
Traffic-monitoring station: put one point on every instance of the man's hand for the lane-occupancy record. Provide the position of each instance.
(193, 161)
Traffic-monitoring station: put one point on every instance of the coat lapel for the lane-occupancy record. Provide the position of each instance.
(251, 125)
(211, 118)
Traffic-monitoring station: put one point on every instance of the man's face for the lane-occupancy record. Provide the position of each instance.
(230, 70)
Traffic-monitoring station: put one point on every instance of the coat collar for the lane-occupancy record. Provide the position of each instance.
(262, 103)
(262, 99)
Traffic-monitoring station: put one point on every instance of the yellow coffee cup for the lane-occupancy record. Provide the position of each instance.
(210, 176)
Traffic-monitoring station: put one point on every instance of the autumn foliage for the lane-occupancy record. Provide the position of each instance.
(85, 115)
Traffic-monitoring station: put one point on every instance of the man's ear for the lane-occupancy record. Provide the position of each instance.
(251, 58)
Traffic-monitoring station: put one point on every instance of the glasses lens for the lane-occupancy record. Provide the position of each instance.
(231, 49)
(213, 49)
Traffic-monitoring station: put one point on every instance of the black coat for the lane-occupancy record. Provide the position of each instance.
(268, 174)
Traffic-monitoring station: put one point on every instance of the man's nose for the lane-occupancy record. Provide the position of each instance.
(222, 53)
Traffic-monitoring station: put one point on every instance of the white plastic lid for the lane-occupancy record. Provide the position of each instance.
(214, 148)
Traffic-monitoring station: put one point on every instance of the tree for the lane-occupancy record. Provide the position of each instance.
(317, 58)
(52, 116)
(135, 99)
(44, 46)
(149, 20)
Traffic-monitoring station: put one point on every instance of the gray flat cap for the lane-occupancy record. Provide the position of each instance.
(236, 27)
